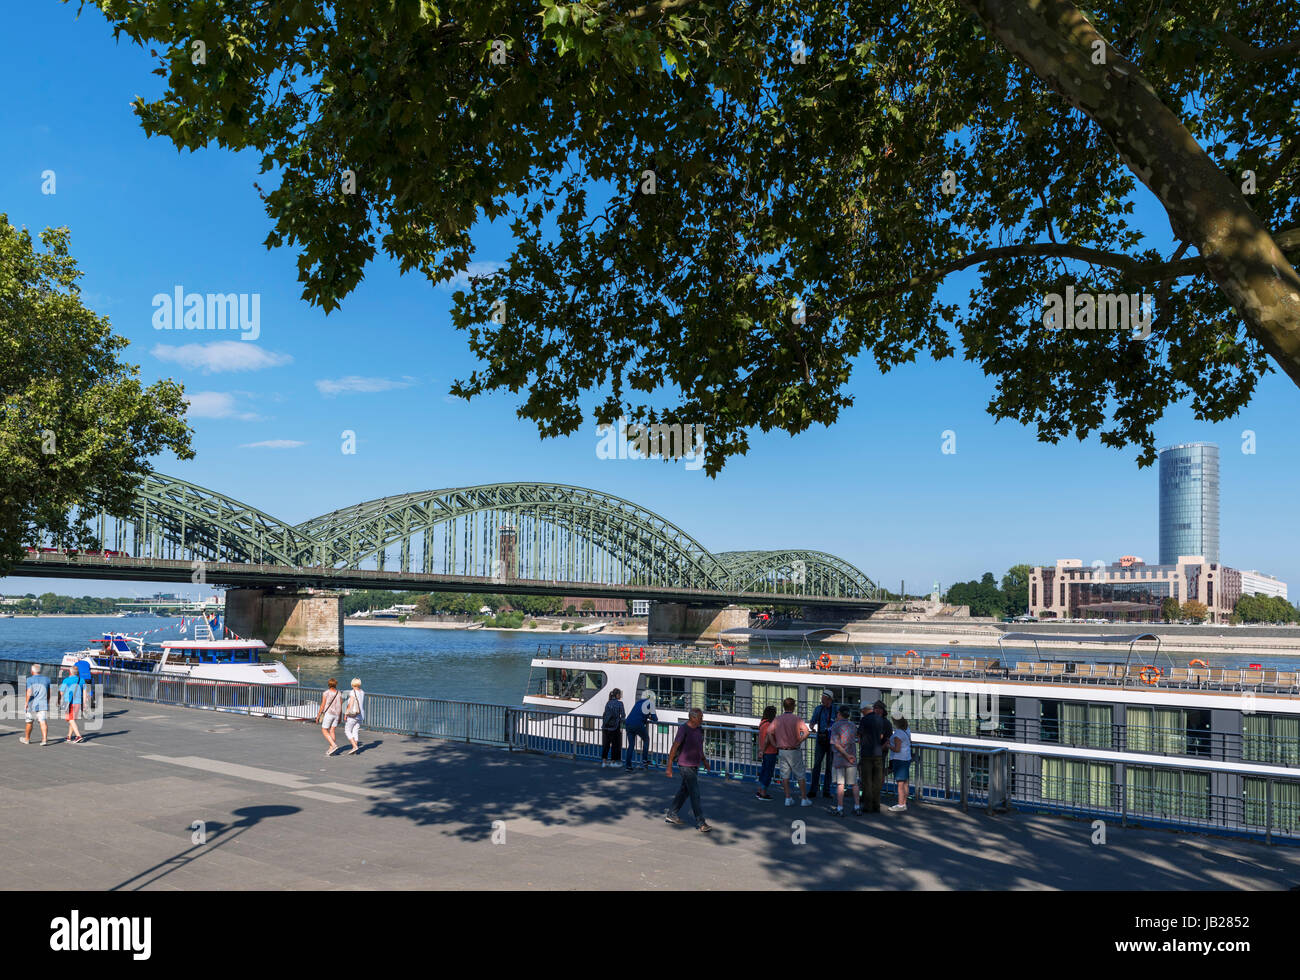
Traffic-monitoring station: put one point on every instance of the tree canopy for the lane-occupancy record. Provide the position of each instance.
(77, 427)
(719, 209)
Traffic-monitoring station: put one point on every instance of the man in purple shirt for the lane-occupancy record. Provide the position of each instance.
(688, 753)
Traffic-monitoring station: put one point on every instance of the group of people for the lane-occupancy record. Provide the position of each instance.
(353, 712)
(852, 756)
(76, 688)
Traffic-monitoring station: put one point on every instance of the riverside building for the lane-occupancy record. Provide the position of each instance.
(1129, 590)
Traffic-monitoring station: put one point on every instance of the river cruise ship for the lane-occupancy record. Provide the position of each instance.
(1131, 732)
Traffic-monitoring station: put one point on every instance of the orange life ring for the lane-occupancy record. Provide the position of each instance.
(910, 653)
(824, 661)
(624, 653)
(1197, 663)
(1150, 674)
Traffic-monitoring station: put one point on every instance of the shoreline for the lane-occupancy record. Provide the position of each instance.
(464, 627)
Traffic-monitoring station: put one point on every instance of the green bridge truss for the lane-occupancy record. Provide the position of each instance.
(534, 532)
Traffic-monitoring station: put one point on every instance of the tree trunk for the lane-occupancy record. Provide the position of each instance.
(1206, 207)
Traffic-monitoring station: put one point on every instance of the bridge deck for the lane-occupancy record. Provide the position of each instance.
(418, 813)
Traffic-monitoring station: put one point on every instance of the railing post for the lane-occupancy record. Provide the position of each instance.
(575, 737)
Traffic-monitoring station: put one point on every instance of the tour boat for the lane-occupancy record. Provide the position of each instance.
(202, 658)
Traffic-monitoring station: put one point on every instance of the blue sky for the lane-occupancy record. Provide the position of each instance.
(875, 488)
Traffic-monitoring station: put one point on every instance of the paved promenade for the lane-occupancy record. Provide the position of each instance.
(418, 813)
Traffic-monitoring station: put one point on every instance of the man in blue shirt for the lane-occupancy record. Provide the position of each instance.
(70, 692)
(637, 726)
(38, 704)
(87, 684)
(821, 722)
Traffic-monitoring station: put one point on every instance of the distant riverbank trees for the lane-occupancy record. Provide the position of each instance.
(1264, 609)
(985, 598)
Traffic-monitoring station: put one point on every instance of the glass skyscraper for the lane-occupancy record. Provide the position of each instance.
(1189, 501)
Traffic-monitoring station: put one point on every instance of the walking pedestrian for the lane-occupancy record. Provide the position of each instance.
(637, 725)
(37, 705)
(823, 717)
(611, 730)
(901, 747)
(767, 752)
(70, 694)
(789, 732)
(331, 706)
(87, 685)
(874, 732)
(844, 743)
(688, 747)
(354, 714)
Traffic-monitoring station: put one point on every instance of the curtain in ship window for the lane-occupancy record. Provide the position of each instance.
(1286, 804)
(1139, 729)
(697, 693)
(1079, 783)
(1254, 739)
(773, 694)
(1286, 740)
(962, 714)
(1100, 717)
(1171, 731)
(1074, 723)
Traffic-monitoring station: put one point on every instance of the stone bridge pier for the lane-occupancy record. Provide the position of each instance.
(689, 622)
(288, 622)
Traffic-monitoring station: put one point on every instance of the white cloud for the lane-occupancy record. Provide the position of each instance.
(222, 355)
(273, 444)
(461, 279)
(216, 405)
(355, 383)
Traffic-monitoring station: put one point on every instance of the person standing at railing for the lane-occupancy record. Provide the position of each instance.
(331, 706)
(354, 714)
(844, 743)
(901, 746)
(767, 752)
(823, 718)
(789, 732)
(688, 746)
(637, 726)
(874, 732)
(611, 729)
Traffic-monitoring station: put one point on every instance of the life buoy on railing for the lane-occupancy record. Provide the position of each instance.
(824, 661)
(910, 653)
(1149, 674)
(1197, 663)
(624, 653)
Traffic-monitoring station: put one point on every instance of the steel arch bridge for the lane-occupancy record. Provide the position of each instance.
(511, 533)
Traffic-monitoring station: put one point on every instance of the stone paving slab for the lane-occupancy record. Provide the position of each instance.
(411, 813)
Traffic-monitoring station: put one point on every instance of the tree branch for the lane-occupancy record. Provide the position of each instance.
(1245, 50)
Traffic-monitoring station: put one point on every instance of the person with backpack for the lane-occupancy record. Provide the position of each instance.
(637, 726)
(611, 729)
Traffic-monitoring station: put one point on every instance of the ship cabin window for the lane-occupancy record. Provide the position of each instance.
(1177, 731)
(1076, 723)
(1271, 738)
(720, 696)
(1285, 808)
(670, 692)
(572, 685)
(840, 697)
(982, 716)
(1172, 794)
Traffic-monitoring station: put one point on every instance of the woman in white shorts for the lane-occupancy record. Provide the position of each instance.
(354, 714)
(328, 716)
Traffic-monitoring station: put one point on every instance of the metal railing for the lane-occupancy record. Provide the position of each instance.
(996, 777)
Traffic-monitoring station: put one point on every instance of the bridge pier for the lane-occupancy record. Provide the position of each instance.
(673, 621)
(287, 622)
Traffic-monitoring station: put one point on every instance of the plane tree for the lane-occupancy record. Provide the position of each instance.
(720, 211)
(77, 427)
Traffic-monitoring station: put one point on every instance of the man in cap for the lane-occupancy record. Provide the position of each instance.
(823, 717)
(874, 731)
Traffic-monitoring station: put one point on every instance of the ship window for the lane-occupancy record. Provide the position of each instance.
(1168, 793)
(670, 692)
(574, 685)
(1286, 804)
(1083, 784)
(720, 695)
(1071, 723)
(1271, 738)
